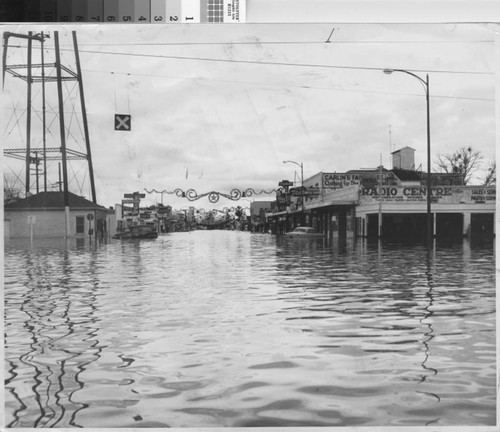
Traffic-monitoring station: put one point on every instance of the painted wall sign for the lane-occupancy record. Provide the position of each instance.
(483, 194)
(340, 180)
(443, 194)
(304, 192)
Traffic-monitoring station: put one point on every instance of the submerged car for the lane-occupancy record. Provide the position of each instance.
(137, 232)
(305, 232)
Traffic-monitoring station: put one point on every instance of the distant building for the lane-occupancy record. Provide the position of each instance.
(43, 216)
(258, 211)
(404, 159)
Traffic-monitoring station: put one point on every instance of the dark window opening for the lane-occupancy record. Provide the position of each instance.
(80, 225)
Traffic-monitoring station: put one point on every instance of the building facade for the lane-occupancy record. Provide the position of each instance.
(388, 203)
(258, 211)
(456, 211)
(43, 215)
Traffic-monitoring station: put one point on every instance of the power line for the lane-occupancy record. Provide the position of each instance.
(254, 83)
(269, 63)
(360, 42)
(306, 87)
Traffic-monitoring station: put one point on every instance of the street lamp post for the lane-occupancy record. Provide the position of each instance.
(425, 84)
(301, 182)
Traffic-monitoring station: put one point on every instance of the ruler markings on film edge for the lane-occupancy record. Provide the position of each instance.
(143, 11)
(79, 11)
(173, 11)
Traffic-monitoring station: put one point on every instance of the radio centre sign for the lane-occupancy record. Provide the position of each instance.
(411, 193)
(438, 193)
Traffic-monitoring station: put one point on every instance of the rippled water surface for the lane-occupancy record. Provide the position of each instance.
(218, 328)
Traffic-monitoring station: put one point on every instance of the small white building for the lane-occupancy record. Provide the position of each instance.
(43, 215)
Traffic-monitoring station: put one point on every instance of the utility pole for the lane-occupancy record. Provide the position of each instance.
(60, 181)
(380, 198)
(62, 131)
(44, 123)
(426, 86)
(84, 114)
(28, 115)
(37, 164)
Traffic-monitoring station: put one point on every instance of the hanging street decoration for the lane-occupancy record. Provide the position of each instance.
(225, 210)
(123, 122)
(213, 196)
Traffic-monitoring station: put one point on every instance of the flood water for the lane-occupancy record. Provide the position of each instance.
(220, 328)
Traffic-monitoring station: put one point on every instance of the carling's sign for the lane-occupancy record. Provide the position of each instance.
(340, 180)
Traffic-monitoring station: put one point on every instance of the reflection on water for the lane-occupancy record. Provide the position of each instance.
(55, 321)
(237, 329)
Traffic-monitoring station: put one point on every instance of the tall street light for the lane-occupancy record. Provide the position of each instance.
(425, 84)
(301, 180)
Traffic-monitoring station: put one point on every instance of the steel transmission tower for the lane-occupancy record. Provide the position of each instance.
(51, 89)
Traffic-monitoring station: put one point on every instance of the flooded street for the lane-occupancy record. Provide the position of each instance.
(221, 328)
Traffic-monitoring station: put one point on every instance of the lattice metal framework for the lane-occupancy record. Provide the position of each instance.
(38, 74)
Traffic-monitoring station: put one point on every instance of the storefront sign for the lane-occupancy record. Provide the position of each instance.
(410, 193)
(349, 193)
(483, 194)
(285, 184)
(283, 201)
(304, 192)
(340, 180)
(164, 210)
(448, 194)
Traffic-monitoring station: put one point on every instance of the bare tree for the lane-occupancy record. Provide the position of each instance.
(464, 161)
(491, 174)
(12, 192)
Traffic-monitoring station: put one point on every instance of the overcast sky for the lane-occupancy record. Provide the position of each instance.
(217, 107)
